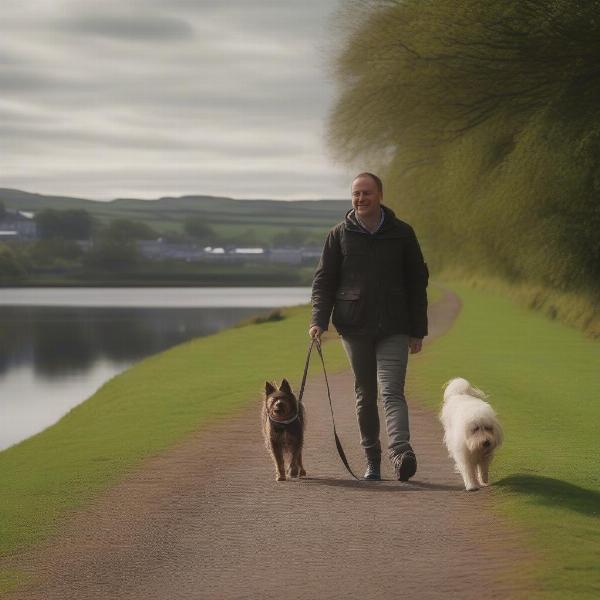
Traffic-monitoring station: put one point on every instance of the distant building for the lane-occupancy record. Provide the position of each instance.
(18, 225)
(161, 250)
(289, 256)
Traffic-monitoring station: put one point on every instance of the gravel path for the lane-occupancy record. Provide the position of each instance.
(207, 520)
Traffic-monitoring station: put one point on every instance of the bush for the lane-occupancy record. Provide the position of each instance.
(11, 268)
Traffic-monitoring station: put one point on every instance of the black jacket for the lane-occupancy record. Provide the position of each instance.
(373, 283)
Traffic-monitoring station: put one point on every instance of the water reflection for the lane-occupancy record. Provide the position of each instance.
(60, 340)
(53, 358)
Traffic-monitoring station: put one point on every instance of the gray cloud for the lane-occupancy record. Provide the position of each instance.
(128, 26)
(237, 89)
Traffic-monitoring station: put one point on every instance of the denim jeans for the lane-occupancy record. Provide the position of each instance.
(383, 361)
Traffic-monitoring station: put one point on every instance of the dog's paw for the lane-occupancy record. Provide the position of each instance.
(302, 473)
(472, 487)
(280, 478)
(484, 484)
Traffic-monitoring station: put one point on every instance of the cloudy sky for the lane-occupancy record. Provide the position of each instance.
(144, 98)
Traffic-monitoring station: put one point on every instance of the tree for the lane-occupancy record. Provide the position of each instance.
(72, 224)
(123, 230)
(112, 255)
(11, 267)
(482, 117)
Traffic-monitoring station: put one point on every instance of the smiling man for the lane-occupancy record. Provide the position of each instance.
(373, 278)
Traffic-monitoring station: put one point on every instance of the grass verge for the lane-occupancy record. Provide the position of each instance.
(137, 414)
(544, 381)
(579, 309)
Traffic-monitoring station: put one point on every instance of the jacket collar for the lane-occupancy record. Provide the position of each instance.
(351, 222)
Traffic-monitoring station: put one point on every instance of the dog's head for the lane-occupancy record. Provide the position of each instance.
(280, 403)
(484, 435)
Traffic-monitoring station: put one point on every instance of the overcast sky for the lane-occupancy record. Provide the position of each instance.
(145, 98)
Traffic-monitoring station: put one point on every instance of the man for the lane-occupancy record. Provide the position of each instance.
(373, 277)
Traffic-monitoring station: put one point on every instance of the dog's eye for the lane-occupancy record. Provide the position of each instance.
(488, 429)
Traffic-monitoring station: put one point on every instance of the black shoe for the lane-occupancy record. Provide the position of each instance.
(405, 464)
(373, 472)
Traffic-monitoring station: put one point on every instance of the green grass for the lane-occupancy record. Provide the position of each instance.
(139, 413)
(544, 381)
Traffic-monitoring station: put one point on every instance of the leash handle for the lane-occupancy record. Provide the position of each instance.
(338, 444)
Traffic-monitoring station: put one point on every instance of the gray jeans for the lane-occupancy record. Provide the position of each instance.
(380, 361)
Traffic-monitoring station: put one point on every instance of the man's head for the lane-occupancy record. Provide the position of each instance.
(367, 194)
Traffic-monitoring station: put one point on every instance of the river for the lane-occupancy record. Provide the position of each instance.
(59, 345)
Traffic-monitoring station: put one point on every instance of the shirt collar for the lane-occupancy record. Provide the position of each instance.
(378, 226)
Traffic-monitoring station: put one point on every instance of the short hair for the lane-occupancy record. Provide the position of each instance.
(374, 177)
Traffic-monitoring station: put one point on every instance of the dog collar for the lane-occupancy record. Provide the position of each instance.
(286, 422)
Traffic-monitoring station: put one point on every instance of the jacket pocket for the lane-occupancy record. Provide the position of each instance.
(347, 307)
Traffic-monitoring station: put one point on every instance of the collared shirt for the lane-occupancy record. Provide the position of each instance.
(366, 228)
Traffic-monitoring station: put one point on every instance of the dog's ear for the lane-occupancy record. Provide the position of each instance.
(498, 434)
(269, 388)
(285, 387)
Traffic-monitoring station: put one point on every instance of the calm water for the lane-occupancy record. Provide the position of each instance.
(59, 345)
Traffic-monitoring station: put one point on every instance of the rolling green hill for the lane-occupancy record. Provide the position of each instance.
(228, 216)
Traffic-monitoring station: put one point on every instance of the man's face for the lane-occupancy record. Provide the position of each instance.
(366, 199)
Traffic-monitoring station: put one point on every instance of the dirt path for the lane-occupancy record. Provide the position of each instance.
(207, 520)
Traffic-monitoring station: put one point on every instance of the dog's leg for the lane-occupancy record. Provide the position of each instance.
(483, 471)
(302, 471)
(296, 468)
(467, 470)
(277, 453)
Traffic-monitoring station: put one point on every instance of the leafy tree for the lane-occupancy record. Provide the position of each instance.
(112, 255)
(11, 268)
(72, 224)
(52, 251)
(124, 230)
(482, 117)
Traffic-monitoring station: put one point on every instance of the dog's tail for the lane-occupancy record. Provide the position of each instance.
(458, 385)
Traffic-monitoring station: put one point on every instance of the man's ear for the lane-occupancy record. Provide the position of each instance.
(285, 387)
(269, 388)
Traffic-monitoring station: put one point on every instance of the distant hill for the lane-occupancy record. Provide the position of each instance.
(228, 215)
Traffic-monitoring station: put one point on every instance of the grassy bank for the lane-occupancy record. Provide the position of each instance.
(139, 413)
(580, 310)
(544, 381)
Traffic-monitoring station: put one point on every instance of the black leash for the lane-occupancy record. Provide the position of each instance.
(338, 444)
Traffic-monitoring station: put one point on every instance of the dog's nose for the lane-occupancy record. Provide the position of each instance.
(487, 443)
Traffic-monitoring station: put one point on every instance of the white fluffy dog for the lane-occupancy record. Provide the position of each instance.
(471, 431)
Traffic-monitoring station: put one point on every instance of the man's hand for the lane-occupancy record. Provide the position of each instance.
(315, 332)
(415, 345)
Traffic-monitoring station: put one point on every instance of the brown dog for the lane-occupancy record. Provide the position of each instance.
(283, 428)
